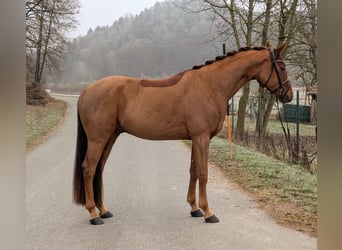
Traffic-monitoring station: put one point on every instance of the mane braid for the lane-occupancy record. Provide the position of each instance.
(229, 54)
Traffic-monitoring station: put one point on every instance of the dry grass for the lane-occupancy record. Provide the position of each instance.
(42, 120)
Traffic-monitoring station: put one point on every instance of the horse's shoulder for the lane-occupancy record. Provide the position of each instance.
(173, 80)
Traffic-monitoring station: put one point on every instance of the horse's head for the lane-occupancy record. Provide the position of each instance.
(273, 76)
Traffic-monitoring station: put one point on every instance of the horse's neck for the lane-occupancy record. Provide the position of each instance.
(232, 74)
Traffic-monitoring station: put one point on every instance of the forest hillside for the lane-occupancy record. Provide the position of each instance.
(158, 42)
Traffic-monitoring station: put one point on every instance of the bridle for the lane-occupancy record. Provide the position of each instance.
(283, 84)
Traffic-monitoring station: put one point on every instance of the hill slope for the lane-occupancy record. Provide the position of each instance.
(160, 41)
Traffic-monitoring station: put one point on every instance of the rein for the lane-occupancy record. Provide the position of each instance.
(281, 84)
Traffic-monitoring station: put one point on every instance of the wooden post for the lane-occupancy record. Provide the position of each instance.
(229, 133)
(297, 130)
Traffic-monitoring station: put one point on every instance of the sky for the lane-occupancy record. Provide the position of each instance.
(105, 12)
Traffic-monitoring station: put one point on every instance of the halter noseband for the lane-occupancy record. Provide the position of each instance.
(281, 84)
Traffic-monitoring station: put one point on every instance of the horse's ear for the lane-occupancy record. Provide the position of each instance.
(280, 49)
(268, 44)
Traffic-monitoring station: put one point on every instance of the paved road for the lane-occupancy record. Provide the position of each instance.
(145, 187)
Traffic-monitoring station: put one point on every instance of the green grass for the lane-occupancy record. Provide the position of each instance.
(261, 171)
(274, 126)
(41, 120)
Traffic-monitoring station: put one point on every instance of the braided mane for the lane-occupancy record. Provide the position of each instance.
(229, 54)
(173, 80)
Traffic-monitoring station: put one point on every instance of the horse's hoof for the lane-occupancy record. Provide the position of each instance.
(197, 213)
(96, 221)
(212, 219)
(106, 215)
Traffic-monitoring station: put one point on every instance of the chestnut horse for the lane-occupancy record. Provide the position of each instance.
(190, 105)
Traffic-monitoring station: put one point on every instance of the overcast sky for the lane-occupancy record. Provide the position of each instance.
(105, 12)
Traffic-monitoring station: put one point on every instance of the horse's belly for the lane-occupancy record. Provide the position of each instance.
(154, 130)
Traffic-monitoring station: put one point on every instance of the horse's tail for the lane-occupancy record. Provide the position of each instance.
(78, 182)
(81, 149)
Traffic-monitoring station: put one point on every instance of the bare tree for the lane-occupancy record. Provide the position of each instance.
(242, 20)
(296, 24)
(253, 22)
(47, 22)
(303, 50)
(284, 27)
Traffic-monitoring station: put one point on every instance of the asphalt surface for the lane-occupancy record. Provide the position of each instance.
(145, 185)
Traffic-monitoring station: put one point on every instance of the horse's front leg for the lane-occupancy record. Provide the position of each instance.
(191, 198)
(200, 148)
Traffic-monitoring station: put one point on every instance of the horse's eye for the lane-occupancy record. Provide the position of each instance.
(282, 65)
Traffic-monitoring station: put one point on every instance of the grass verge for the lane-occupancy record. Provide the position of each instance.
(42, 120)
(287, 192)
(274, 126)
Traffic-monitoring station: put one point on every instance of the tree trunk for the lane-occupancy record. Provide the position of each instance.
(37, 74)
(261, 122)
(269, 107)
(240, 125)
(47, 39)
(241, 114)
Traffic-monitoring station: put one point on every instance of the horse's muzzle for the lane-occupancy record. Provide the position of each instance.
(286, 93)
(284, 99)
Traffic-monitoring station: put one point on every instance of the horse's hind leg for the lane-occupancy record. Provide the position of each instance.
(191, 198)
(104, 213)
(93, 155)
